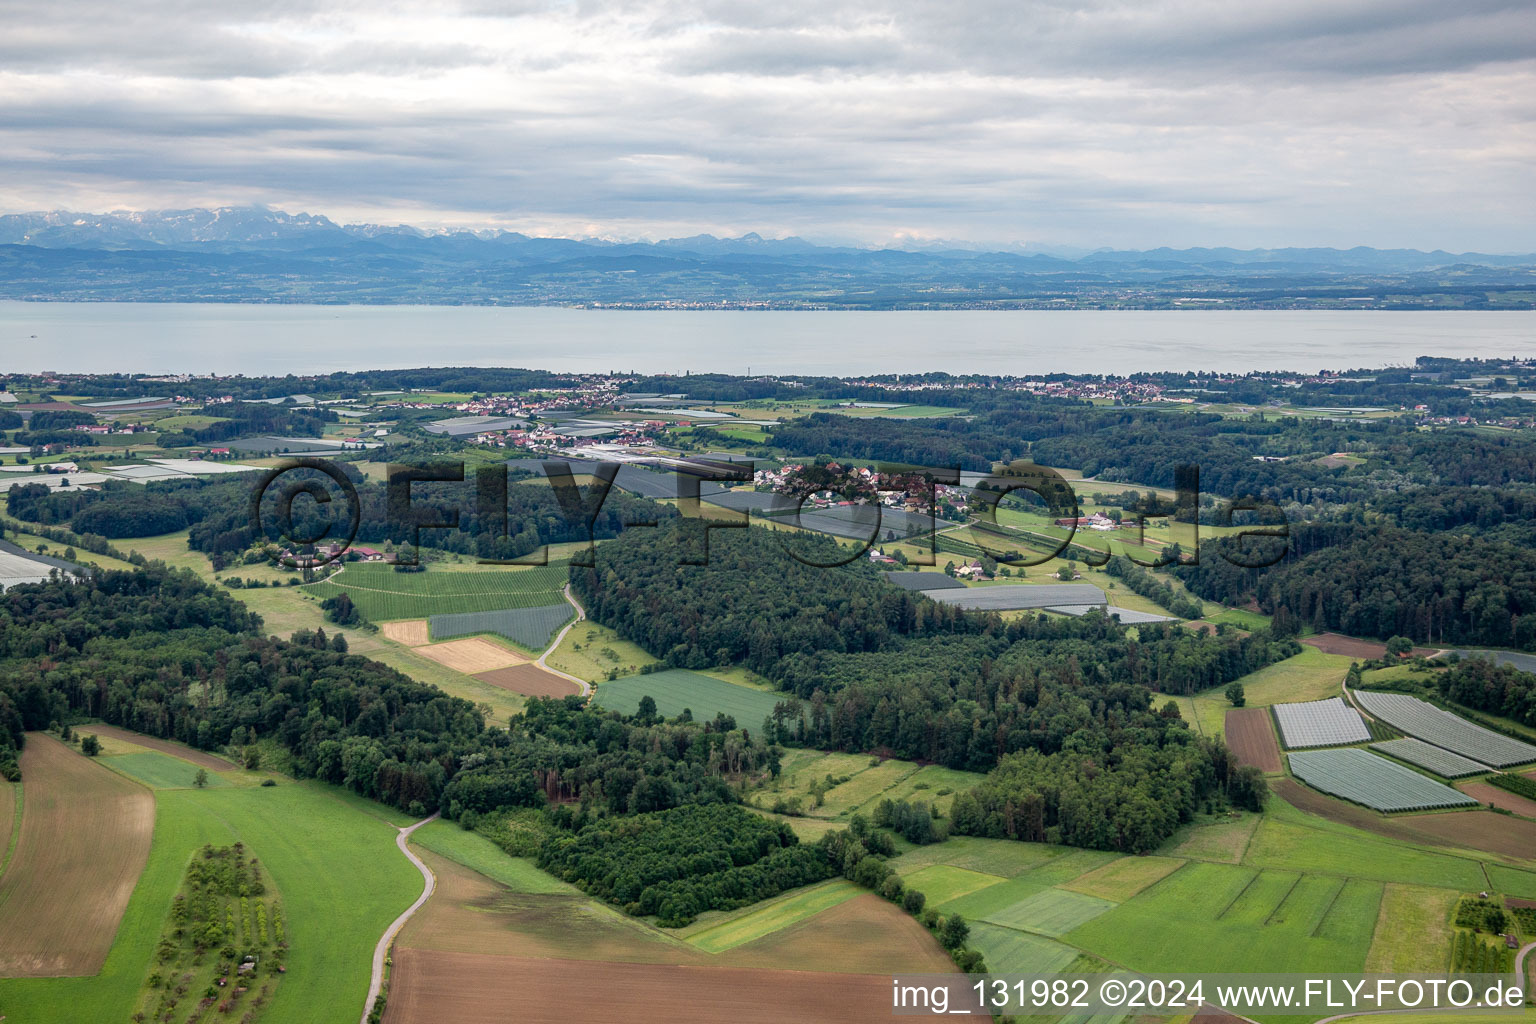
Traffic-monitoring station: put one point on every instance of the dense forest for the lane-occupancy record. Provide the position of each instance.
(1375, 580)
(160, 652)
(1497, 689)
(217, 513)
(871, 667)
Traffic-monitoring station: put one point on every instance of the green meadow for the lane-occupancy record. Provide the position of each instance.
(341, 878)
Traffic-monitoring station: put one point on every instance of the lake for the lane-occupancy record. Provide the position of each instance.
(279, 339)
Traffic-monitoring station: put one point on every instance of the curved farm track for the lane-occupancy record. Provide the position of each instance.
(380, 951)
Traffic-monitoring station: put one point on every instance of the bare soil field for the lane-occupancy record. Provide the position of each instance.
(469, 913)
(8, 791)
(1252, 739)
(1478, 830)
(475, 654)
(1337, 643)
(529, 680)
(201, 758)
(85, 835)
(1490, 794)
(864, 935)
(431, 986)
(411, 632)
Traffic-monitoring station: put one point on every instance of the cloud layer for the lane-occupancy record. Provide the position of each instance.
(1131, 124)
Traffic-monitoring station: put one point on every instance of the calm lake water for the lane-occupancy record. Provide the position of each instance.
(204, 338)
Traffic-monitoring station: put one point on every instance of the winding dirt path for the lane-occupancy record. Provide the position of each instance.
(581, 613)
(376, 984)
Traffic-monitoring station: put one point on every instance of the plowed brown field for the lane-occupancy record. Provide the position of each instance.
(1489, 794)
(528, 680)
(1252, 739)
(1337, 643)
(430, 987)
(85, 834)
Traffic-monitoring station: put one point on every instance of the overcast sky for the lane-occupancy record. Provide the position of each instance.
(1130, 124)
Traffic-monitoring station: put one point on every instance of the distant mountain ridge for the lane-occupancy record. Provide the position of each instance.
(257, 254)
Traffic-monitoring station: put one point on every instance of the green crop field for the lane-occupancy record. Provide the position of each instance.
(383, 594)
(1052, 912)
(676, 689)
(1310, 675)
(341, 878)
(765, 918)
(864, 790)
(926, 784)
(1008, 951)
(1003, 857)
(1119, 880)
(1512, 881)
(1215, 917)
(478, 853)
(1240, 618)
(159, 771)
(941, 883)
(982, 904)
(1278, 844)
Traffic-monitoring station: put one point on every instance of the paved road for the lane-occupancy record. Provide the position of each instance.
(581, 613)
(382, 949)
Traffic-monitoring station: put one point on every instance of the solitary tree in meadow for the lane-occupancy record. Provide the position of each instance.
(90, 746)
(200, 780)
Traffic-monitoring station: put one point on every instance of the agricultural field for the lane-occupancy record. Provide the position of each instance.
(532, 628)
(714, 935)
(943, 883)
(676, 689)
(1442, 762)
(332, 918)
(1426, 722)
(1223, 841)
(1413, 932)
(1216, 917)
(1342, 851)
(160, 771)
(1050, 912)
(478, 853)
(84, 831)
(380, 593)
(528, 680)
(1252, 739)
(1120, 880)
(469, 656)
(1310, 675)
(591, 651)
(138, 740)
(1320, 723)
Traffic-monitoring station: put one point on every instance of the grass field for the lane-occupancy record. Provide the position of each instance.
(1009, 951)
(1221, 841)
(380, 593)
(927, 785)
(1240, 618)
(1052, 912)
(1215, 917)
(765, 918)
(942, 883)
(480, 854)
(676, 689)
(1310, 675)
(85, 836)
(1278, 844)
(159, 771)
(866, 789)
(10, 801)
(333, 916)
(590, 651)
(1413, 931)
(1119, 880)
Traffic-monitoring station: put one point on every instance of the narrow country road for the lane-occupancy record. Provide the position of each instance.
(581, 613)
(382, 949)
